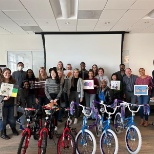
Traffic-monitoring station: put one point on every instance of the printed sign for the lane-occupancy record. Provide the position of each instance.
(88, 84)
(8, 90)
(140, 89)
(68, 73)
(115, 85)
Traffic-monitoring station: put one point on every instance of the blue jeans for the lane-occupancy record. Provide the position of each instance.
(8, 117)
(143, 99)
(23, 117)
(1, 124)
(31, 100)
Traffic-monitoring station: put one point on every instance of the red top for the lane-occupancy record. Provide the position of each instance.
(92, 91)
(146, 81)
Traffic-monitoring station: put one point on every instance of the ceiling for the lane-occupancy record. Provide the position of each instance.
(30, 16)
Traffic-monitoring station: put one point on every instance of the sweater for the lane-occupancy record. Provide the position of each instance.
(51, 87)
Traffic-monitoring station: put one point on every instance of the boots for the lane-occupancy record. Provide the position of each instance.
(145, 124)
(3, 135)
(15, 132)
(142, 122)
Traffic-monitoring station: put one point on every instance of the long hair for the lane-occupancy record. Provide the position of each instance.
(32, 77)
(45, 74)
(57, 77)
(11, 79)
(72, 80)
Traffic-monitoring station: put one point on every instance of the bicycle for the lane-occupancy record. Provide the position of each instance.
(85, 139)
(66, 141)
(28, 131)
(47, 129)
(108, 139)
(133, 134)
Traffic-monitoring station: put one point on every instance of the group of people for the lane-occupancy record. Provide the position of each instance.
(61, 89)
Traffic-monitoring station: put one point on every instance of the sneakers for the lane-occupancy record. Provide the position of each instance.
(56, 128)
(75, 121)
(18, 121)
(70, 121)
(21, 127)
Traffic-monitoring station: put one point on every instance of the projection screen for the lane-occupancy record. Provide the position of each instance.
(101, 49)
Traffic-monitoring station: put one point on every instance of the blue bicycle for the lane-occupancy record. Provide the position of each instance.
(85, 140)
(133, 137)
(108, 139)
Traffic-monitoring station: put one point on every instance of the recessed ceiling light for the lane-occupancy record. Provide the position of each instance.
(67, 23)
(107, 23)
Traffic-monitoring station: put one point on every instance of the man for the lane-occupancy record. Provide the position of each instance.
(121, 73)
(69, 67)
(128, 86)
(19, 75)
(83, 73)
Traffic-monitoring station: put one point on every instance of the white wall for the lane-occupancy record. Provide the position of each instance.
(141, 51)
(18, 43)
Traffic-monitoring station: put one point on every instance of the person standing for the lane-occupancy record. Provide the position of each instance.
(128, 86)
(144, 79)
(121, 73)
(95, 69)
(8, 109)
(19, 75)
(83, 73)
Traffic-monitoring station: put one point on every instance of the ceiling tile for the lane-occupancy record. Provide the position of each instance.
(119, 4)
(11, 5)
(143, 4)
(89, 14)
(112, 14)
(19, 15)
(39, 9)
(26, 22)
(70, 28)
(143, 23)
(92, 4)
(49, 28)
(134, 14)
(106, 23)
(46, 22)
(3, 16)
(3, 31)
(85, 28)
(103, 28)
(87, 22)
(66, 22)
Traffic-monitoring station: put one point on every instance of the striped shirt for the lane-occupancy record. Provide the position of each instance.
(51, 87)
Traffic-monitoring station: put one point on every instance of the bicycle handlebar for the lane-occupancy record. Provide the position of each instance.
(84, 108)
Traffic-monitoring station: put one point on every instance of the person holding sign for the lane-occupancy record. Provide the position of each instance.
(90, 93)
(144, 99)
(8, 106)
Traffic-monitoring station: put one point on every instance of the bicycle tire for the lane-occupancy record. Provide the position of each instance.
(43, 140)
(127, 138)
(90, 136)
(106, 139)
(24, 140)
(60, 144)
(118, 123)
(98, 127)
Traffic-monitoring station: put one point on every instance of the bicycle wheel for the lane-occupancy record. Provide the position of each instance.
(85, 142)
(108, 142)
(66, 144)
(23, 145)
(118, 123)
(98, 128)
(133, 139)
(43, 144)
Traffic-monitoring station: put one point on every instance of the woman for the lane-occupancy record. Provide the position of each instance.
(53, 90)
(95, 69)
(31, 79)
(116, 93)
(23, 100)
(8, 106)
(90, 94)
(76, 91)
(144, 99)
(40, 96)
(106, 95)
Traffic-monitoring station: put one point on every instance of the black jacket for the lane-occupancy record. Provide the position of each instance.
(108, 94)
